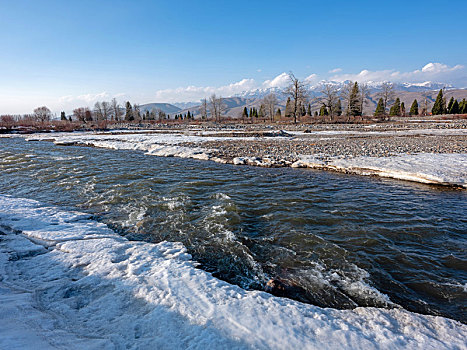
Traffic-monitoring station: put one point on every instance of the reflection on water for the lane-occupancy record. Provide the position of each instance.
(323, 238)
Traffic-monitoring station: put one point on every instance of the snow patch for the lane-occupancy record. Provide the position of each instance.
(431, 168)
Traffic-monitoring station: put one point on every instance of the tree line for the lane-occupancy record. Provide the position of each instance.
(332, 102)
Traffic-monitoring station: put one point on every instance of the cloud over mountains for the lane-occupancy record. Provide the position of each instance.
(433, 71)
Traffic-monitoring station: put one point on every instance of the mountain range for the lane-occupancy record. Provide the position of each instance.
(234, 105)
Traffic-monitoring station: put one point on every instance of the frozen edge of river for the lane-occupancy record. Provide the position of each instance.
(440, 169)
(71, 282)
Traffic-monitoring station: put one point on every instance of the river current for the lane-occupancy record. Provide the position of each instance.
(328, 239)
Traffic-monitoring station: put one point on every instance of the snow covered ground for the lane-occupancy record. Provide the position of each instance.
(432, 168)
(70, 282)
(408, 132)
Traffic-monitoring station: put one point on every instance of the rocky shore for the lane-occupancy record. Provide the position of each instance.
(344, 140)
(430, 152)
(288, 150)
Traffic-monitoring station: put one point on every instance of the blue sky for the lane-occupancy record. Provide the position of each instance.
(66, 54)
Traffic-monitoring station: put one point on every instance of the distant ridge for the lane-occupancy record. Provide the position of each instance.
(165, 107)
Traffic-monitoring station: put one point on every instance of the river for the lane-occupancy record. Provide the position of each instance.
(328, 239)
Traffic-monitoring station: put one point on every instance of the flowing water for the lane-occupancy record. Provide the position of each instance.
(328, 239)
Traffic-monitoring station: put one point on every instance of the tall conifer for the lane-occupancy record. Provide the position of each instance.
(440, 104)
(379, 108)
(414, 108)
(396, 108)
(451, 102)
(354, 101)
(454, 108)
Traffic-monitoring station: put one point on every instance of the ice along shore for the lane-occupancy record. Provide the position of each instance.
(433, 154)
(71, 282)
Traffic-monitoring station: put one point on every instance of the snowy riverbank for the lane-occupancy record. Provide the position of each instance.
(440, 168)
(430, 168)
(71, 282)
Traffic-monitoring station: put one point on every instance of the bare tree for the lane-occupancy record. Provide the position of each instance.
(346, 95)
(387, 94)
(136, 112)
(106, 110)
(217, 106)
(203, 109)
(80, 114)
(297, 91)
(162, 115)
(7, 121)
(426, 97)
(98, 111)
(116, 111)
(329, 98)
(42, 114)
(364, 93)
(270, 101)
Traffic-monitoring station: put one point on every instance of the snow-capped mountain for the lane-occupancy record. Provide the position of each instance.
(373, 86)
(407, 92)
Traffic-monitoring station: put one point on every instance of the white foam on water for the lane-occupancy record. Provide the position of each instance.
(70, 282)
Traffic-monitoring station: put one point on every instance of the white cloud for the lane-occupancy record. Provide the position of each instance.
(282, 80)
(432, 71)
(85, 99)
(439, 68)
(70, 102)
(195, 93)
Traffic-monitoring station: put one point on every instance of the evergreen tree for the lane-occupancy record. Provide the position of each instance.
(245, 113)
(396, 108)
(451, 102)
(302, 110)
(323, 111)
(463, 106)
(339, 107)
(454, 108)
(62, 115)
(69, 119)
(354, 101)
(251, 113)
(147, 117)
(279, 112)
(309, 110)
(128, 112)
(402, 111)
(188, 115)
(440, 104)
(379, 108)
(316, 113)
(414, 108)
